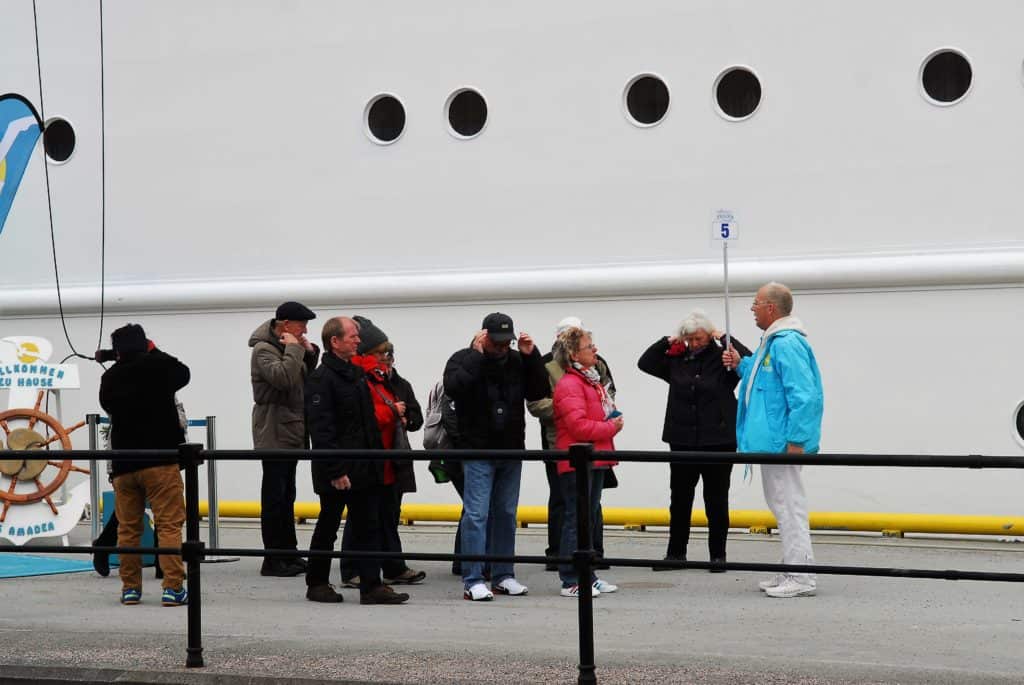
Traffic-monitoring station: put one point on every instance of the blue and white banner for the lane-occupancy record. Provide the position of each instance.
(19, 130)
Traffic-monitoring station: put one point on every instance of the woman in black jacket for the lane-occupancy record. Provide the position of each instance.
(700, 415)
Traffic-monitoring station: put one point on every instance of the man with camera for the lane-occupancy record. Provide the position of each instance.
(489, 382)
(282, 356)
(137, 392)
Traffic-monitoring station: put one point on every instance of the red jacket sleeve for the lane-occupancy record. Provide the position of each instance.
(571, 404)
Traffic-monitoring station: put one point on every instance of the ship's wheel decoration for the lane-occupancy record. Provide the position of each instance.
(21, 433)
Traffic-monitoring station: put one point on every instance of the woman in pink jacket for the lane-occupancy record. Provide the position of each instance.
(584, 412)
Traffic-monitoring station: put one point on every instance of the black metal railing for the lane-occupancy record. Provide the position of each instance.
(193, 550)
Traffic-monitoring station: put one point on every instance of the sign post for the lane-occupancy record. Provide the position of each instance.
(724, 228)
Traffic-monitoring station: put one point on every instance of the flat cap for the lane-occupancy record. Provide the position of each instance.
(293, 311)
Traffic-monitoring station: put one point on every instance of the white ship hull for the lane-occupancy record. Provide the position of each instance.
(240, 173)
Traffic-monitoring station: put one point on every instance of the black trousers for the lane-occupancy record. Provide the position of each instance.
(716, 502)
(277, 505)
(391, 568)
(369, 511)
(556, 515)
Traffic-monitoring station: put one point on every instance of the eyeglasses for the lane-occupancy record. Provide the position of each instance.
(591, 347)
(758, 303)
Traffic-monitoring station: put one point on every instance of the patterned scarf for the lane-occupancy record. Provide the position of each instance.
(594, 378)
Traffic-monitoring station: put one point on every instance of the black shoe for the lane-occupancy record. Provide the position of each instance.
(323, 593)
(279, 569)
(383, 594)
(299, 565)
(407, 577)
(717, 560)
(550, 567)
(101, 562)
(670, 557)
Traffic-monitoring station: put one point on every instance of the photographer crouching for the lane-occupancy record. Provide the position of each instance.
(137, 392)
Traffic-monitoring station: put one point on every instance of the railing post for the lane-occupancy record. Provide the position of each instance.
(213, 507)
(580, 456)
(192, 551)
(93, 421)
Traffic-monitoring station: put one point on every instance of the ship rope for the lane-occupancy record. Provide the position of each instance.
(103, 187)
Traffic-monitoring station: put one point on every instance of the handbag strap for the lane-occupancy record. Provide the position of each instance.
(384, 397)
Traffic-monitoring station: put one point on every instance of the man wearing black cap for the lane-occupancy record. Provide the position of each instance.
(488, 382)
(281, 358)
(138, 394)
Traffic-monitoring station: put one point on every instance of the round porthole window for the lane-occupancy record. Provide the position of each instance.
(737, 93)
(946, 77)
(467, 113)
(385, 119)
(58, 140)
(646, 99)
(1018, 423)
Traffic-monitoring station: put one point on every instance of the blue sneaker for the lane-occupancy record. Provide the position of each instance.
(131, 596)
(174, 598)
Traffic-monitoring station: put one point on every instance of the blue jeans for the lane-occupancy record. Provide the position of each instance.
(567, 482)
(491, 493)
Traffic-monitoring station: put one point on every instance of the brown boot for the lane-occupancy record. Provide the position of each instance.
(383, 594)
(323, 593)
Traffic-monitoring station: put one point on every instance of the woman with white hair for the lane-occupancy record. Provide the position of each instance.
(700, 415)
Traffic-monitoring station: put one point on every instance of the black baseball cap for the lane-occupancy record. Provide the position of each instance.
(499, 327)
(293, 311)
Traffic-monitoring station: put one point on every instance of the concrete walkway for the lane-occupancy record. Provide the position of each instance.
(674, 627)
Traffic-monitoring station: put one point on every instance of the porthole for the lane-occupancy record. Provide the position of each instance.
(737, 93)
(1018, 423)
(946, 77)
(646, 100)
(467, 113)
(58, 140)
(384, 119)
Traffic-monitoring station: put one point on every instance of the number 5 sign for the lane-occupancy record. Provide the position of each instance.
(724, 227)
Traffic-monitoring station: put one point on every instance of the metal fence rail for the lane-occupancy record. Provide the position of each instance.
(194, 551)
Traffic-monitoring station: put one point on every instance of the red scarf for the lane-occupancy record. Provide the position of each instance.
(376, 372)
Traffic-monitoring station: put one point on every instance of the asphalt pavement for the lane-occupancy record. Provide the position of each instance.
(672, 627)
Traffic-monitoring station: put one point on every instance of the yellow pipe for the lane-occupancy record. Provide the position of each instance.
(888, 523)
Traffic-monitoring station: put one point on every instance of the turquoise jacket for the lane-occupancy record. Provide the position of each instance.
(785, 402)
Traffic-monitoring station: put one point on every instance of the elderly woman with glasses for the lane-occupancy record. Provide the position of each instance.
(700, 415)
(397, 413)
(584, 412)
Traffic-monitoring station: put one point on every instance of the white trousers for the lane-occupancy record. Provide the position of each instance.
(784, 493)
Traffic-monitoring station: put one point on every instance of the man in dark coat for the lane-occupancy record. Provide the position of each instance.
(137, 392)
(281, 358)
(489, 382)
(340, 415)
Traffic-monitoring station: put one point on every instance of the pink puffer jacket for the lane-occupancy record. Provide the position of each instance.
(580, 417)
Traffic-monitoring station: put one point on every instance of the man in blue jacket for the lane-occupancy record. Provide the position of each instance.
(780, 408)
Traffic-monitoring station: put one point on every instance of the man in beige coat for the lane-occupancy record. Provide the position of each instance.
(281, 358)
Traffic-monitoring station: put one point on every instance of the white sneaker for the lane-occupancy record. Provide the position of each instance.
(603, 587)
(510, 586)
(574, 591)
(772, 581)
(478, 593)
(791, 588)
